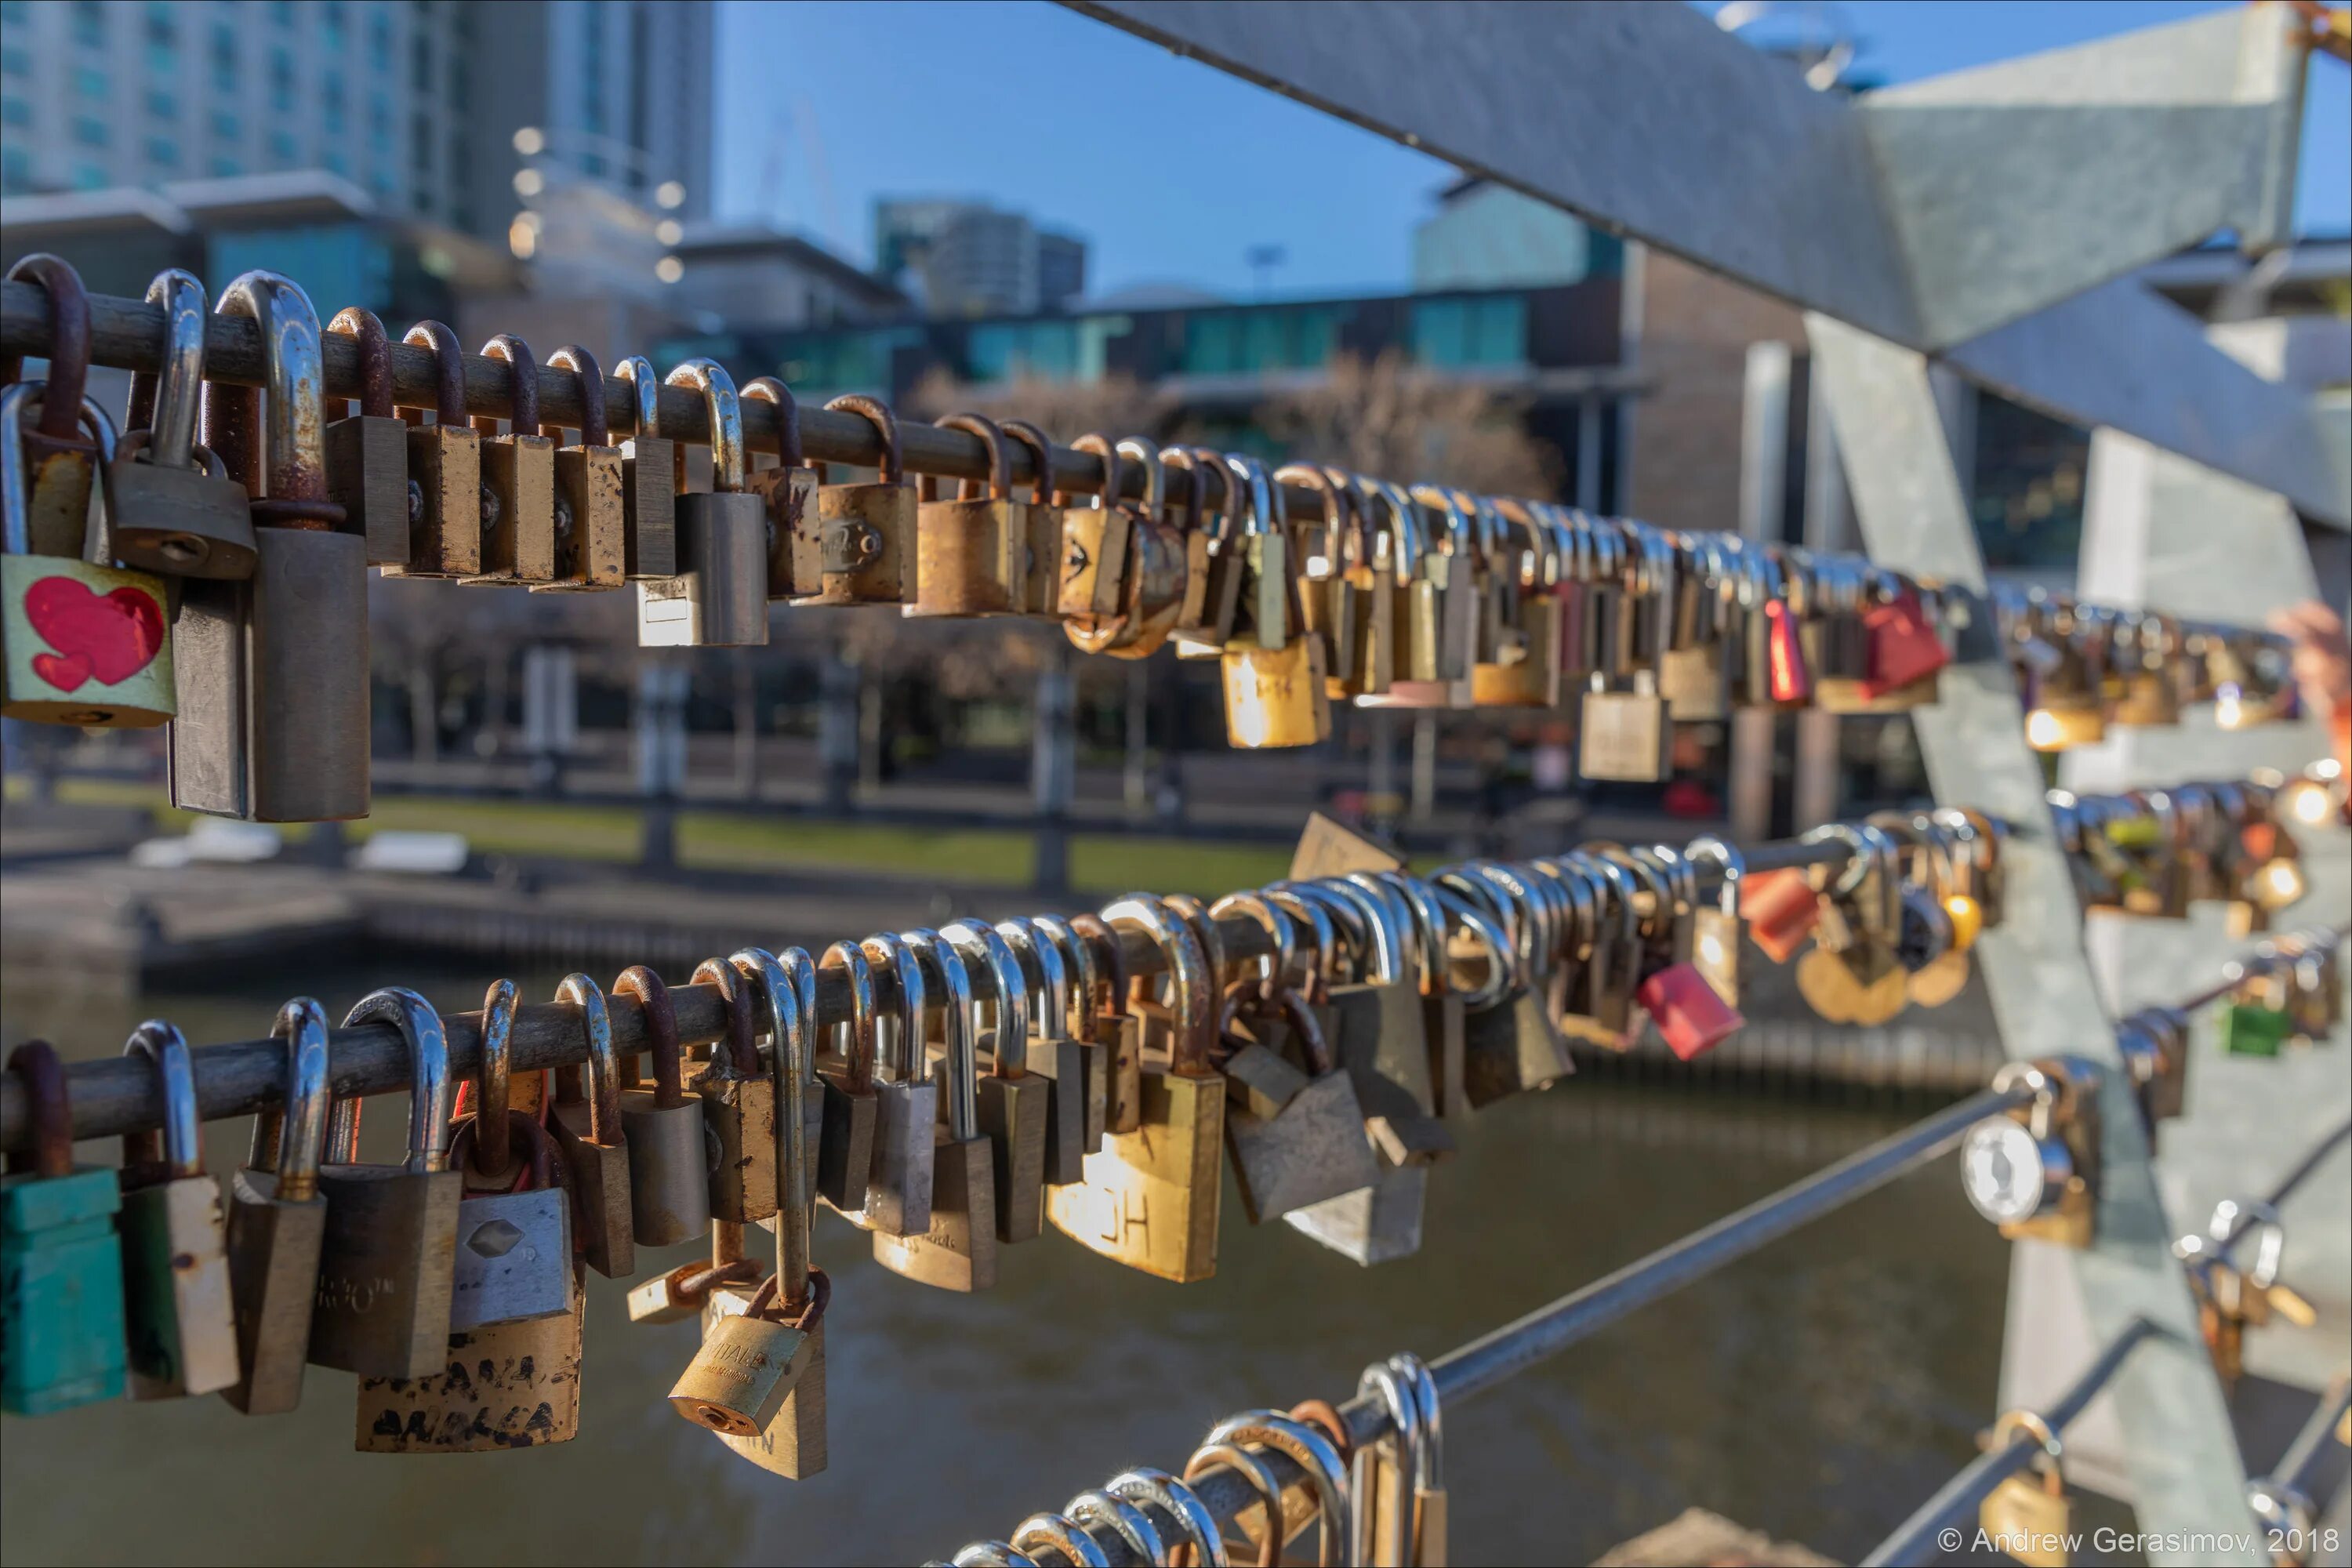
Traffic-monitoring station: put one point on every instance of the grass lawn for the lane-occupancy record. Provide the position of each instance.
(1099, 862)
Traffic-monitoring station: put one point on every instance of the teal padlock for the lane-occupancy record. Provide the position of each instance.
(60, 1267)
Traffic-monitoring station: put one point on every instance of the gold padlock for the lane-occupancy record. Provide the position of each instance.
(2028, 1519)
(591, 538)
(1041, 554)
(970, 552)
(861, 547)
(517, 503)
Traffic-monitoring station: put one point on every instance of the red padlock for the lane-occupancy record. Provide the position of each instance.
(1903, 646)
(1692, 1016)
(1781, 908)
(1784, 653)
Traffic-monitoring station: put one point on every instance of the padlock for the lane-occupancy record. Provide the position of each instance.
(1214, 557)
(1100, 1513)
(518, 500)
(1276, 698)
(1509, 1043)
(1715, 929)
(1119, 1030)
(1444, 1009)
(1085, 1027)
(650, 466)
(1370, 565)
(759, 1378)
(2251, 1023)
(1691, 1016)
(81, 643)
(860, 546)
(171, 505)
(1096, 541)
(1293, 1149)
(1852, 974)
(1418, 638)
(444, 468)
(1144, 1486)
(2028, 1519)
(1906, 656)
(739, 1108)
(367, 450)
(787, 491)
(1596, 999)
(591, 526)
(2153, 1045)
(1694, 675)
(272, 672)
(177, 1304)
(592, 1140)
(1629, 735)
(1151, 1197)
(958, 1252)
(899, 1184)
(684, 1290)
(1012, 1100)
(277, 1222)
(1313, 1451)
(1524, 611)
(1384, 1473)
(849, 1107)
(385, 1269)
(720, 596)
(514, 1223)
(1041, 552)
(2034, 1171)
(1438, 631)
(60, 1265)
(62, 468)
(669, 1174)
(1326, 596)
(970, 552)
(1051, 1054)
(801, 970)
(1152, 591)
(1378, 1030)
(511, 1381)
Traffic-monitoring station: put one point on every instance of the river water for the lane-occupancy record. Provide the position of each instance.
(1817, 1391)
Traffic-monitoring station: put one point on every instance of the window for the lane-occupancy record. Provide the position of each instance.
(224, 58)
(331, 23)
(89, 83)
(379, 123)
(89, 25)
(336, 163)
(281, 12)
(282, 149)
(225, 127)
(13, 12)
(16, 168)
(420, 142)
(162, 25)
(226, 168)
(161, 105)
(164, 152)
(1240, 343)
(91, 132)
(17, 111)
(15, 61)
(89, 177)
(420, 62)
(380, 37)
(330, 101)
(281, 80)
(163, 59)
(1486, 331)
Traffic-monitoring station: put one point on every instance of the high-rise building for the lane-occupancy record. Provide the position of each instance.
(967, 258)
(415, 103)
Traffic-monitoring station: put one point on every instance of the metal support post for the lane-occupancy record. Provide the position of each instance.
(2184, 1471)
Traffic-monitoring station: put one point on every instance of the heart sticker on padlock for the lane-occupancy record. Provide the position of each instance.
(111, 635)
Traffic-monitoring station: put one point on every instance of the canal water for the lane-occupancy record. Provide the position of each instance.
(1817, 1391)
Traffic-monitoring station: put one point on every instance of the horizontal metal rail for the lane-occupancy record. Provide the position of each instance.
(2257, 964)
(119, 1094)
(1491, 1361)
(1914, 1539)
(2297, 1471)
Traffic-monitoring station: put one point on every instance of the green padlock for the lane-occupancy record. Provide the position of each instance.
(61, 1269)
(2250, 1029)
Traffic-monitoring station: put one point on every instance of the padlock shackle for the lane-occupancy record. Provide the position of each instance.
(595, 430)
(430, 1089)
(863, 1025)
(1041, 459)
(376, 359)
(604, 1063)
(1191, 989)
(1311, 1451)
(991, 437)
(885, 952)
(1383, 1382)
(1195, 914)
(740, 1057)
(1107, 953)
(769, 390)
(522, 402)
(182, 1151)
(448, 369)
(492, 1155)
(165, 404)
(1194, 507)
(791, 1056)
(1281, 936)
(15, 483)
(875, 412)
(1429, 1468)
(1074, 957)
(294, 432)
(292, 1135)
(1502, 970)
(961, 1032)
(49, 1110)
(1114, 469)
(644, 388)
(1046, 976)
(67, 303)
(977, 940)
(1322, 932)
(534, 1173)
(652, 994)
(730, 463)
(1178, 1502)
(1338, 513)
(1145, 455)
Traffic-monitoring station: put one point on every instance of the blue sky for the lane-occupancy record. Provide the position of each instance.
(1164, 164)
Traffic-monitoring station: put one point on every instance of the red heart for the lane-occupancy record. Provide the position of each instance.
(117, 635)
(65, 673)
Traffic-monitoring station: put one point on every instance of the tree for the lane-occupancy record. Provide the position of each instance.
(1393, 420)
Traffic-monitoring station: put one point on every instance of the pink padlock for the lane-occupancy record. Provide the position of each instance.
(1692, 1016)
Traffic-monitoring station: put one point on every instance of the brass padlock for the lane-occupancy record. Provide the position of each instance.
(1095, 542)
(1041, 556)
(272, 672)
(1151, 1197)
(61, 466)
(958, 1251)
(1269, 591)
(1213, 558)
(720, 596)
(1152, 593)
(367, 450)
(1118, 1029)
(179, 1311)
(81, 643)
(444, 468)
(591, 515)
(1629, 735)
(788, 490)
(1371, 567)
(517, 505)
(171, 505)
(1277, 692)
(1519, 663)
(684, 1290)
(590, 1136)
(861, 546)
(2026, 1519)
(1325, 598)
(739, 1108)
(972, 552)
(650, 466)
(277, 1222)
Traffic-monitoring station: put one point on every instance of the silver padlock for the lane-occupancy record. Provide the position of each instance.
(173, 507)
(514, 1225)
(178, 1306)
(669, 1173)
(898, 1185)
(720, 596)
